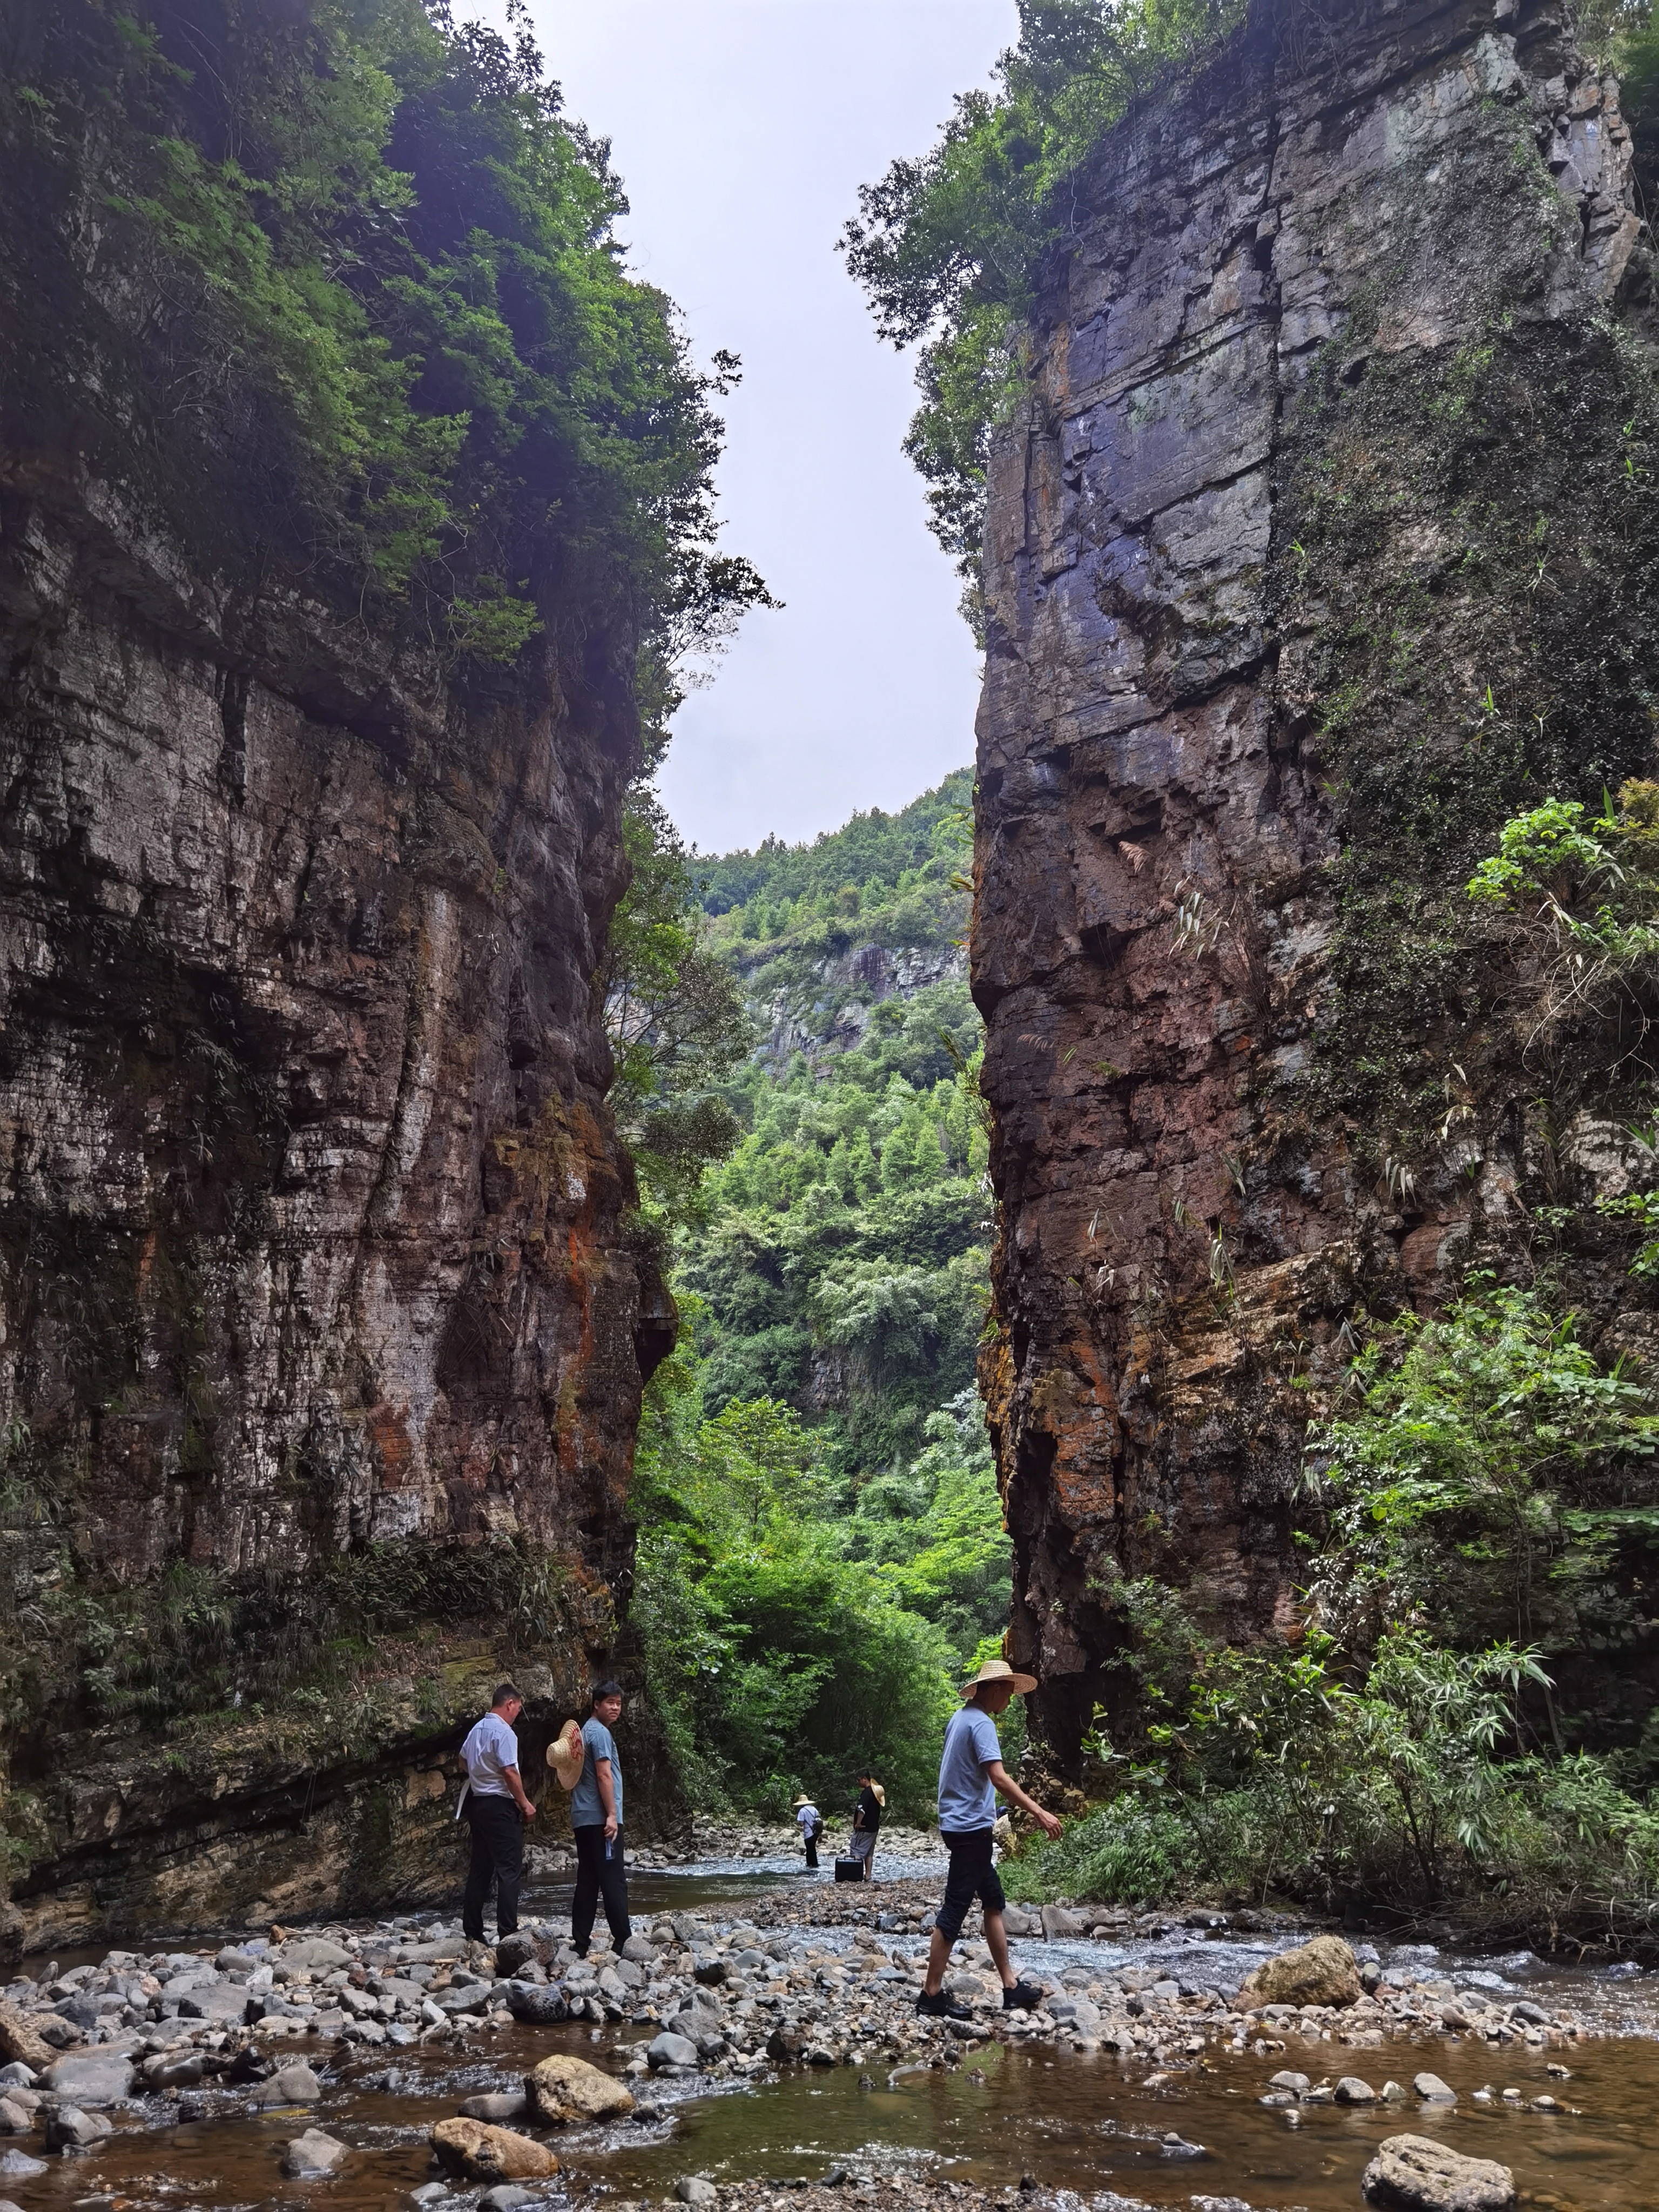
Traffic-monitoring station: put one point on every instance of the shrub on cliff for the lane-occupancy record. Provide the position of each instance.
(339, 283)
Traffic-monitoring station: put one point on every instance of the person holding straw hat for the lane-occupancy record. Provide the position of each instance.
(971, 1774)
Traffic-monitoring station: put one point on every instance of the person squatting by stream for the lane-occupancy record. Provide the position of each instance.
(970, 1773)
(496, 1808)
(596, 1822)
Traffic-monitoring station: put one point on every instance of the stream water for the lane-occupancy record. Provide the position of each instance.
(1080, 2121)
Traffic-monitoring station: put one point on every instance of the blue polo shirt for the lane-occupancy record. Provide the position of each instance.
(966, 1799)
(587, 1807)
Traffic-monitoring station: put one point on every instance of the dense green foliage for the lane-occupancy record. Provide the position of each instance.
(821, 1548)
(1479, 1512)
(375, 275)
(948, 245)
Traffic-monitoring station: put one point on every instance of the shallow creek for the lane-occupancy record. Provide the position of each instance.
(1080, 2121)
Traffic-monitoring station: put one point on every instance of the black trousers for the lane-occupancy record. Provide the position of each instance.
(973, 1874)
(599, 1876)
(497, 1858)
(812, 1850)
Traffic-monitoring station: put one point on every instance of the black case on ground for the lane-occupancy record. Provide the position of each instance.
(849, 1870)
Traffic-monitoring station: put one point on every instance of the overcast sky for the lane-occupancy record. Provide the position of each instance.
(743, 129)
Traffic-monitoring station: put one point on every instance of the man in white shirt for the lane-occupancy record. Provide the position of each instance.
(496, 1808)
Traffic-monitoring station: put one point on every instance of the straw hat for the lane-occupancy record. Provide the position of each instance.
(567, 1754)
(880, 1794)
(998, 1670)
(799, 1801)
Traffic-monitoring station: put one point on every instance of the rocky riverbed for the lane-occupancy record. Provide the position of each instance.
(808, 1983)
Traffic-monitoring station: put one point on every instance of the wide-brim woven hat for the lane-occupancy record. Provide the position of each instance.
(998, 1670)
(799, 1801)
(879, 1794)
(567, 1754)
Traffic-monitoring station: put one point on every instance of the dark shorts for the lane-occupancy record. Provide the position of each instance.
(972, 1874)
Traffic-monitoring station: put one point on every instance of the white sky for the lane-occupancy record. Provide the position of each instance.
(743, 129)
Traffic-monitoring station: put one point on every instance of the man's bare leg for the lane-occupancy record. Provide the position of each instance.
(996, 1940)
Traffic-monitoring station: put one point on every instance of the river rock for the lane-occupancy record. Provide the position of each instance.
(522, 1949)
(539, 2007)
(175, 2070)
(1297, 2084)
(89, 2078)
(507, 2196)
(694, 2188)
(562, 2089)
(498, 2106)
(292, 2084)
(1320, 1972)
(1415, 2173)
(20, 2042)
(1057, 1922)
(16, 2119)
(479, 2153)
(18, 2166)
(311, 1951)
(670, 2050)
(1432, 2090)
(225, 2004)
(1351, 2090)
(71, 2129)
(312, 2154)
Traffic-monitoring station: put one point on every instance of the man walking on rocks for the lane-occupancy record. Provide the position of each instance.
(496, 1808)
(596, 1821)
(970, 1773)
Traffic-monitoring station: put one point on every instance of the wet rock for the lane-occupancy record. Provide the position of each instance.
(1320, 1972)
(1297, 2084)
(1415, 2173)
(498, 2106)
(539, 2007)
(506, 2196)
(71, 2129)
(16, 2119)
(479, 2153)
(640, 1950)
(90, 2078)
(1351, 2090)
(310, 2157)
(1432, 2090)
(292, 2084)
(225, 2004)
(670, 2050)
(18, 2166)
(693, 2188)
(175, 2070)
(562, 2090)
(16, 2076)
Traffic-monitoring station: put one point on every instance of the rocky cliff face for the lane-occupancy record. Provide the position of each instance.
(321, 1343)
(1322, 547)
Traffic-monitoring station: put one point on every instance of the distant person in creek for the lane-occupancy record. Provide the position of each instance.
(866, 1821)
(970, 1773)
(495, 1808)
(810, 1822)
(596, 1821)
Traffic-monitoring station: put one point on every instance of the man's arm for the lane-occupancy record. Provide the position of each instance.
(510, 1776)
(1002, 1780)
(607, 1795)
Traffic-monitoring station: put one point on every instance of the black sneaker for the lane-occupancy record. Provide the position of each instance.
(940, 2007)
(1022, 1997)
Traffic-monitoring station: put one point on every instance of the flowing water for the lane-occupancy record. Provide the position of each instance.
(1084, 2122)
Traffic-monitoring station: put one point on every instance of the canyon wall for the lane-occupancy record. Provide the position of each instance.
(1325, 543)
(321, 1336)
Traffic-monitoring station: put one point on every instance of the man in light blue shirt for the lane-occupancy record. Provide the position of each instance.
(970, 1772)
(596, 1822)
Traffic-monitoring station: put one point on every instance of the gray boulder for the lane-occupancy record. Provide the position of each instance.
(1058, 1922)
(312, 1951)
(292, 2084)
(18, 2166)
(539, 2007)
(71, 2129)
(507, 2196)
(90, 2078)
(14, 2120)
(694, 2188)
(225, 2004)
(1415, 2173)
(1351, 2090)
(499, 2106)
(311, 2156)
(670, 2050)
(1432, 2090)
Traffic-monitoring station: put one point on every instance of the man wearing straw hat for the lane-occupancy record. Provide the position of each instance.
(970, 1773)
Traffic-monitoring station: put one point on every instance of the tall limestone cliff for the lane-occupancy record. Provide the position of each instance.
(321, 1336)
(1325, 543)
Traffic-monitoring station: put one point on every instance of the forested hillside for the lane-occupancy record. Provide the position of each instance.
(822, 1544)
